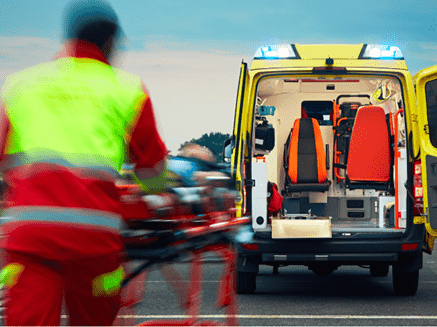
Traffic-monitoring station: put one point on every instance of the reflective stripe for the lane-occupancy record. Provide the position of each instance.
(63, 215)
(84, 170)
(97, 173)
(82, 164)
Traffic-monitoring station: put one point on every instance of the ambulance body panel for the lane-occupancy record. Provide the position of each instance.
(346, 136)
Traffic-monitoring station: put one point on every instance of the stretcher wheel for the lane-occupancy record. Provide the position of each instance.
(246, 282)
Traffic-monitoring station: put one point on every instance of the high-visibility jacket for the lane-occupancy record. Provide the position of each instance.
(67, 121)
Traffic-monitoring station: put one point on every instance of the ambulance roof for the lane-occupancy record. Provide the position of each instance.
(328, 55)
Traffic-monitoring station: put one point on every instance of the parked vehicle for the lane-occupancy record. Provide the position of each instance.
(337, 129)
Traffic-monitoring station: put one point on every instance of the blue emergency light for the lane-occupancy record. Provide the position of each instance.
(377, 51)
(281, 51)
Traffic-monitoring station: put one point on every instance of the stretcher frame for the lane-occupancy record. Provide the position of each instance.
(194, 239)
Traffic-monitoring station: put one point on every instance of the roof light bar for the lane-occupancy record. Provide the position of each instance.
(376, 51)
(279, 51)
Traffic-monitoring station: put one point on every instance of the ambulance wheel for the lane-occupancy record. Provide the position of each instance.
(379, 270)
(246, 282)
(405, 283)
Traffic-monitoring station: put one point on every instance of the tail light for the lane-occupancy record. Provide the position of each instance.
(250, 246)
(418, 189)
(409, 246)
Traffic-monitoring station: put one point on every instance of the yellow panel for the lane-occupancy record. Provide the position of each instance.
(323, 51)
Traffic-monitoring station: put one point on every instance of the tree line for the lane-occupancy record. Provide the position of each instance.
(213, 141)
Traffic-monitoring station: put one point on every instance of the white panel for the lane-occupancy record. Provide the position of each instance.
(400, 184)
(382, 202)
(259, 195)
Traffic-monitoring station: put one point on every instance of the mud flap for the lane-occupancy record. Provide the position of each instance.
(248, 264)
(409, 263)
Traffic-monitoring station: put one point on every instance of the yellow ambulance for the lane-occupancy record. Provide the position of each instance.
(334, 161)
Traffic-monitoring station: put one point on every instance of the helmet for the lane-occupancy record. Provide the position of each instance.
(95, 15)
(381, 94)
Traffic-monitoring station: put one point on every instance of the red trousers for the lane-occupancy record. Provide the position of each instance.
(37, 297)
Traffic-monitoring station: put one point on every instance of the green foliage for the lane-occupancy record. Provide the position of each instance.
(213, 141)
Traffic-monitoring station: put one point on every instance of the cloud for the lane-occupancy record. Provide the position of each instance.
(18, 52)
(428, 46)
(193, 93)
(166, 43)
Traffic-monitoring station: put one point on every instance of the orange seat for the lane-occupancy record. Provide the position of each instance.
(369, 161)
(305, 161)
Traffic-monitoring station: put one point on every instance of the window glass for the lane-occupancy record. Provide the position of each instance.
(431, 104)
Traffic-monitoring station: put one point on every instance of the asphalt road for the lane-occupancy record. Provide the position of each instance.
(298, 297)
(350, 296)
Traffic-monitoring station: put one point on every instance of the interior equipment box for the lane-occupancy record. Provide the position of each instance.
(299, 226)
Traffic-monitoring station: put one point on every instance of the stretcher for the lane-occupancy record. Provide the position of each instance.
(192, 218)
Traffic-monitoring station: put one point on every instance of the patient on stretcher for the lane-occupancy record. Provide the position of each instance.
(196, 184)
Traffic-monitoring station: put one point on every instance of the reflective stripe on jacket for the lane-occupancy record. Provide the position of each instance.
(106, 220)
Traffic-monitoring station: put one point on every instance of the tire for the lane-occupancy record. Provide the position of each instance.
(405, 283)
(379, 270)
(246, 282)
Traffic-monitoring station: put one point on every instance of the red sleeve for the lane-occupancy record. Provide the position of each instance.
(4, 129)
(146, 148)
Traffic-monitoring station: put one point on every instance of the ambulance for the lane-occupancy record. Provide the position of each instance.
(334, 158)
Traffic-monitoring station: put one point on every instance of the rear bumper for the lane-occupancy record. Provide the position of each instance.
(336, 251)
(355, 258)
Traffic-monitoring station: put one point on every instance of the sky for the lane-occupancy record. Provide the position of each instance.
(188, 53)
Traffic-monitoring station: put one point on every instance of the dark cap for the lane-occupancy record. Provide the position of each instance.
(83, 13)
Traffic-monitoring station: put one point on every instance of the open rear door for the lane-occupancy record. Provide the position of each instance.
(426, 94)
(237, 157)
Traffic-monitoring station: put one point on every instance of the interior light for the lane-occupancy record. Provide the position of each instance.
(377, 51)
(280, 51)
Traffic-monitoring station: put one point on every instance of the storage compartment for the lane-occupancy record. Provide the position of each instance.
(299, 226)
(264, 137)
(356, 209)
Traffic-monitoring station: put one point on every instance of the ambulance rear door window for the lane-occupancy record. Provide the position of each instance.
(431, 104)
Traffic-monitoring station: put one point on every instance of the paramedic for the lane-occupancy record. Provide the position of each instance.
(63, 129)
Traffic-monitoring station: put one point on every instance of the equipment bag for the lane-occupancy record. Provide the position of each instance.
(264, 136)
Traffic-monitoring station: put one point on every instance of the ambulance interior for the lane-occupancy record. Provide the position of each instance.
(334, 145)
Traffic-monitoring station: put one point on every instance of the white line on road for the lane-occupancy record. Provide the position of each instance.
(293, 281)
(271, 317)
(278, 317)
(221, 316)
(183, 281)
